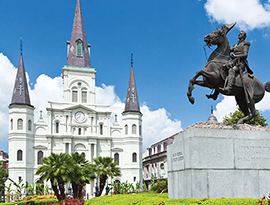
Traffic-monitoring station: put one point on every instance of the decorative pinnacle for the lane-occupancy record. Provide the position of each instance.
(131, 59)
(21, 40)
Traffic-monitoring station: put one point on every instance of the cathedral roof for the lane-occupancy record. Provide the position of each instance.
(20, 93)
(78, 56)
(132, 101)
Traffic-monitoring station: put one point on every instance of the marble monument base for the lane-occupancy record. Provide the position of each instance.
(214, 160)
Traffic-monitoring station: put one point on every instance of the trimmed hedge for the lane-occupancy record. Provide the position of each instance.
(31, 202)
(162, 199)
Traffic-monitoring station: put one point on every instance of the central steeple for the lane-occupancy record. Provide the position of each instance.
(78, 49)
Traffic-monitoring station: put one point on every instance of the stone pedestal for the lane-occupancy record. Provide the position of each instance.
(214, 160)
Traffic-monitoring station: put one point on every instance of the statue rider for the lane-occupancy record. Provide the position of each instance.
(239, 62)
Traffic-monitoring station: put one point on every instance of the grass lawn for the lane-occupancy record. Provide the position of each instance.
(162, 199)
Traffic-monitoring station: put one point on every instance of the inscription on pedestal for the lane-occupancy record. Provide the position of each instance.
(177, 157)
(252, 154)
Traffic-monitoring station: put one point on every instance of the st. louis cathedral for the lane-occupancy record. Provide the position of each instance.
(76, 125)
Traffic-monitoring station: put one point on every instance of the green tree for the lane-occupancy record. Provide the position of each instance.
(238, 114)
(56, 168)
(82, 174)
(3, 175)
(105, 167)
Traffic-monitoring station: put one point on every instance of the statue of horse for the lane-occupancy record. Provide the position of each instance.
(247, 90)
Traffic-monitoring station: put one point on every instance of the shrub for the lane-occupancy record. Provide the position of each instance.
(160, 186)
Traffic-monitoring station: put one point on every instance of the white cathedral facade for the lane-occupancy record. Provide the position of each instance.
(76, 125)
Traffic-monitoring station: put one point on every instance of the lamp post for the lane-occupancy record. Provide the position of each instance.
(69, 190)
(3, 191)
(97, 189)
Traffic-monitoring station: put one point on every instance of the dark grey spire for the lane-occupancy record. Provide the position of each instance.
(20, 93)
(212, 117)
(78, 53)
(132, 101)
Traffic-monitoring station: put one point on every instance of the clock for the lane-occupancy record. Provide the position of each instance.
(79, 116)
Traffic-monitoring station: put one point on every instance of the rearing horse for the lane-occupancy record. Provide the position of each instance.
(214, 76)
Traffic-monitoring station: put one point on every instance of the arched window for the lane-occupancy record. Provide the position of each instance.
(101, 129)
(84, 96)
(11, 124)
(74, 96)
(83, 154)
(39, 157)
(134, 157)
(140, 130)
(134, 127)
(29, 125)
(19, 155)
(126, 129)
(19, 124)
(116, 158)
(79, 47)
(57, 127)
(79, 131)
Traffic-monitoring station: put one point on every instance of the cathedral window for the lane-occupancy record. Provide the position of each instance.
(126, 129)
(39, 157)
(79, 131)
(84, 96)
(29, 125)
(57, 127)
(19, 155)
(83, 154)
(11, 124)
(79, 47)
(134, 127)
(134, 157)
(74, 96)
(116, 158)
(19, 124)
(140, 130)
(101, 129)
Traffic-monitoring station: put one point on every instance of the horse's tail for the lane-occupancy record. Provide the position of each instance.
(267, 86)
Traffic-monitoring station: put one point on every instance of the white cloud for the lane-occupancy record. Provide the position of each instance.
(156, 124)
(8, 72)
(226, 106)
(46, 89)
(249, 14)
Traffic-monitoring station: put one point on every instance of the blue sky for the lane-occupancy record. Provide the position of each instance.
(166, 38)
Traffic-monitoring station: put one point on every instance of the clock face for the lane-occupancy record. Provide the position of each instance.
(79, 116)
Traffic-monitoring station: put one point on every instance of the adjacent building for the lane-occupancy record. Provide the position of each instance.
(155, 161)
(77, 124)
(4, 159)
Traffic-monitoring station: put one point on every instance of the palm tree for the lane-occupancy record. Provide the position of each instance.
(83, 173)
(105, 167)
(56, 168)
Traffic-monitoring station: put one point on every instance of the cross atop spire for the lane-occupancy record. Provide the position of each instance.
(132, 101)
(20, 93)
(21, 40)
(78, 49)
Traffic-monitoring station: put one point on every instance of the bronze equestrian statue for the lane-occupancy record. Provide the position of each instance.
(228, 76)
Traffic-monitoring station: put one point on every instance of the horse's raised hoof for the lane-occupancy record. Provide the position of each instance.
(214, 97)
(191, 100)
